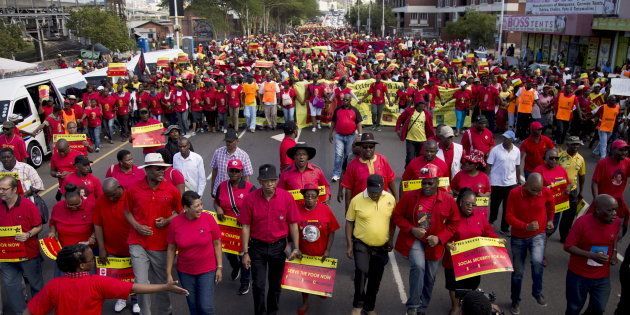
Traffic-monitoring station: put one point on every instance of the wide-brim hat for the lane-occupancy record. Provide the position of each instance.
(309, 150)
(367, 138)
(267, 172)
(171, 128)
(574, 140)
(154, 159)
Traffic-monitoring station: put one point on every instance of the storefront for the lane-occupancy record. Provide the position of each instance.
(620, 30)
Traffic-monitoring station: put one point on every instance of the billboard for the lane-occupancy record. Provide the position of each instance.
(534, 24)
(606, 7)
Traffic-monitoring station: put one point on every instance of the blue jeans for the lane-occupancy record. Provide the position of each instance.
(109, 127)
(421, 278)
(520, 246)
(182, 121)
(95, 135)
(461, 116)
(250, 116)
(289, 114)
(603, 142)
(578, 288)
(343, 148)
(12, 274)
(201, 292)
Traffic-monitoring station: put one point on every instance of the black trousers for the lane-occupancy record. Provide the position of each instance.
(522, 125)
(412, 149)
(123, 121)
(489, 114)
(561, 131)
(498, 196)
(235, 262)
(267, 265)
(566, 220)
(369, 265)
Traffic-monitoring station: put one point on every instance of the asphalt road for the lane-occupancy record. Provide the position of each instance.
(262, 148)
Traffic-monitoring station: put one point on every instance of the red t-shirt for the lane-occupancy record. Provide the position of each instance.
(240, 191)
(290, 93)
(63, 164)
(315, 228)
(73, 226)
(462, 99)
(146, 204)
(78, 111)
(196, 101)
(84, 295)
(552, 176)
(285, 160)
(611, 176)
(174, 177)
(591, 235)
(412, 171)
(340, 94)
(482, 141)
(420, 95)
(194, 240)
(143, 100)
(432, 93)
(480, 183)
(378, 91)
(56, 126)
(181, 100)
(404, 95)
(154, 102)
(346, 120)
(315, 91)
(15, 143)
(487, 97)
(269, 219)
(128, 179)
(220, 101)
(25, 214)
(234, 95)
(108, 103)
(357, 172)
(535, 151)
(167, 102)
(209, 99)
(94, 116)
(523, 208)
(90, 186)
(468, 227)
(110, 216)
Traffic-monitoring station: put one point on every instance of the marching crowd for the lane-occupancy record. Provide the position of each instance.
(153, 213)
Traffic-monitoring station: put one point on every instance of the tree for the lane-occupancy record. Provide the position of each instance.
(375, 25)
(101, 26)
(11, 39)
(476, 26)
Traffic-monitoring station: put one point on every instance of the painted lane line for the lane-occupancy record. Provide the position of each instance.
(620, 258)
(242, 133)
(209, 176)
(398, 278)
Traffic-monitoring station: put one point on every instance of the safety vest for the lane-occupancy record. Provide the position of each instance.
(526, 101)
(68, 117)
(609, 115)
(565, 107)
(269, 92)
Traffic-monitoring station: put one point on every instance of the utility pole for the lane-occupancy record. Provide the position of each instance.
(176, 27)
(500, 48)
(40, 39)
(358, 16)
(383, 20)
(369, 20)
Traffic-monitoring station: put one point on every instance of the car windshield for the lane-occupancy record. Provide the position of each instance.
(4, 110)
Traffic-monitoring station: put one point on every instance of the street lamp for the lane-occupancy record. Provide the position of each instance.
(176, 28)
(383, 20)
(499, 49)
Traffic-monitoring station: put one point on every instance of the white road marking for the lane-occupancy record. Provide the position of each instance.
(398, 278)
(620, 258)
(209, 176)
(280, 136)
(242, 133)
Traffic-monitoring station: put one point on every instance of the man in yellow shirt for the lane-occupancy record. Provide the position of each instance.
(369, 234)
(248, 99)
(574, 164)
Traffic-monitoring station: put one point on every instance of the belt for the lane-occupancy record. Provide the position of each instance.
(254, 241)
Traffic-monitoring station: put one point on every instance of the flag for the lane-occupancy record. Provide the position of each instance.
(141, 67)
(117, 70)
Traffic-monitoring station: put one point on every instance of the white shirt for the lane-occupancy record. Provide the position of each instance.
(27, 174)
(504, 164)
(193, 170)
(458, 151)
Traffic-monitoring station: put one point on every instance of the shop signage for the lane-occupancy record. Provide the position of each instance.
(534, 24)
(570, 7)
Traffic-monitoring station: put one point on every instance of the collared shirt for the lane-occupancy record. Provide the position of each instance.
(125, 179)
(482, 141)
(504, 164)
(293, 179)
(193, 170)
(287, 143)
(28, 176)
(269, 219)
(110, 216)
(523, 208)
(73, 226)
(371, 218)
(25, 214)
(535, 151)
(239, 192)
(574, 165)
(15, 143)
(358, 170)
(220, 159)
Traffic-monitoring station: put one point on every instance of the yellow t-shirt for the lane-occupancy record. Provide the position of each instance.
(416, 131)
(371, 219)
(574, 165)
(250, 91)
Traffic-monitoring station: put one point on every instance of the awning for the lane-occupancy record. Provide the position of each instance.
(8, 66)
(611, 24)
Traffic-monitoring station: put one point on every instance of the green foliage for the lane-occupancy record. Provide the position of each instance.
(101, 26)
(11, 39)
(375, 25)
(476, 26)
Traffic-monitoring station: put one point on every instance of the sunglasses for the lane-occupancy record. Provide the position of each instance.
(368, 146)
(554, 158)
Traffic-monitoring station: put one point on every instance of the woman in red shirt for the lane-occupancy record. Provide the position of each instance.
(71, 218)
(94, 115)
(317, 228)
(195, 236)
(470, 176)
(471, 224)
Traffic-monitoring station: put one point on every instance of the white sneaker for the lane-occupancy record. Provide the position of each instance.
(314, 129)
(136, 309)
(120, 305)
(194, 133)
(335, 178)
(319, 126)
(224, 130)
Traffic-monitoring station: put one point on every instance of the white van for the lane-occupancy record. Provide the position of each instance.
(20, 96)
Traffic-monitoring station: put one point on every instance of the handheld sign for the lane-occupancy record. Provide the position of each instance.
(479, 256)
(11, 250)
(310, 275)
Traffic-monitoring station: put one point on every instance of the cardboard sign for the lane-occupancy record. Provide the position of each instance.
(10, 249)
(117, 267)
(230, 234)
(409, 185)
(310, 275)
(50, 246)
(75, 141)
(479, 256)
(148, 136)
(560, 195)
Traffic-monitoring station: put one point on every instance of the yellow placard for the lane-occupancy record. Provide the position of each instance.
(317, 261)
(229, 221)
(12, 174)
(297, 195)
(472, 243)
(482, 201)
(115, 263)
(558, 183)
(70, 137)
(563, 206)
(409, 185)
(147, 128)
(10, 231)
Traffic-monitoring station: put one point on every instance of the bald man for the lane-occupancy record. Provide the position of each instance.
(62, 163)
(592, 243)
(530, 209)
(428, 155)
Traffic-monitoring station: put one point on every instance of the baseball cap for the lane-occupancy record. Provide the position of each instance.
(463, 83)
(574, 139)
(235, 164)
(375, 183)
(618, 144)
(509, 135)
(535, 125)
(446, 132)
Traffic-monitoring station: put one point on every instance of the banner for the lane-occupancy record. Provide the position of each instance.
(263, 64)
(479, 256)
(116, 267)
(297, 195)
(148, 136)
(10, 249)
(310, 275)
(50, 247)
(117, 70)
(534, 24)
(409, 185)
(620, 86)
(560, 195)
(230, 234)
(542, 7)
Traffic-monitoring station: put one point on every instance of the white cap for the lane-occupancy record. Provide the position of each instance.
(463, 83)
(100, 88)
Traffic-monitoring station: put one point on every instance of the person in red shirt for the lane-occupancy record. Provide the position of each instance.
(472, 223)
(354, 179)
(125, 172)
(89, 95)
(181, 100)
(611, 177)
(221, 103)
(314, 94)
(8, 139)
(196, 108)
(17, 211)
(317, 228)
(71, 219)
(78, 111)
(209, 107)
(534, 147)
(84, 147)
(79, 292)
(107, 102)
(463, 103)
(432, 92)
(378, 92)
(426, 219)
(93, 115)
(53, 124)
(153, 100)
(269, 215)
(345, 123)
(123, 107)
(290, 133)
(234, 91)
(62, 163)
(153, 203)
(530, 212)
(287, 98)
(145, 120)
(470, 176)
(479, 137)
(488, 98)
(195, 236)
(303, 172)
(168, 105)
(592, 243)
(89, 185)
(554, 177)
(428, 155)
(404, 94)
